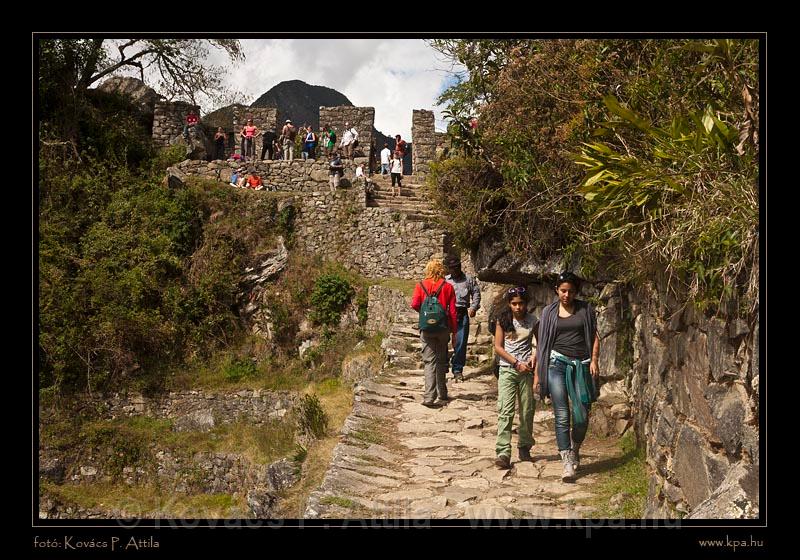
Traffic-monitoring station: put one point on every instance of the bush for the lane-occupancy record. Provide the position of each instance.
(312, 418)
(237, 369)
(330, 296)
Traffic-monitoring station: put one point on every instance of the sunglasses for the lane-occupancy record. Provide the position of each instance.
(519, 290)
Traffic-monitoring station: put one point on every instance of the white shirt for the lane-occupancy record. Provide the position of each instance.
(386, 156)
(349, 136)
(397, 165)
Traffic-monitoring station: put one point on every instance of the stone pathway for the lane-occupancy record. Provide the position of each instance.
(399, 459)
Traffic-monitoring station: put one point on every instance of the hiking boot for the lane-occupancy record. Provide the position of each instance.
(503, 462)
(444, 399)
(568, 474)
(525, 454)
(575, 456)
(458, 378)
(429, 404)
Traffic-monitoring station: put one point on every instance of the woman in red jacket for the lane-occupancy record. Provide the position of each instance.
(435, 337)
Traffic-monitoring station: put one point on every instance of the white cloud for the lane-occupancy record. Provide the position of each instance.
(393, 75)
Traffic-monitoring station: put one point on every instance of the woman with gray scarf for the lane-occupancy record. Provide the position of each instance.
(566, 364)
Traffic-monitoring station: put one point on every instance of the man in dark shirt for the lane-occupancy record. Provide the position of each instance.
(468, 301)
(268, 138)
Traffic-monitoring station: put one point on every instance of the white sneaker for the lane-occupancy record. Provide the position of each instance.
(568, 474)
(575, 456)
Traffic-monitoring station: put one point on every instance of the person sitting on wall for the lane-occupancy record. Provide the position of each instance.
(254, 181)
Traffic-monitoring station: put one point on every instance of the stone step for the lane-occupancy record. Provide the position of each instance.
(406, 362)
(406, 198)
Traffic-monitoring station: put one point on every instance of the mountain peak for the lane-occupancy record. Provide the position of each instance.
(300, 101)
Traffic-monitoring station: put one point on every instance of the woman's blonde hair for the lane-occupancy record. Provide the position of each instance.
(434, 269)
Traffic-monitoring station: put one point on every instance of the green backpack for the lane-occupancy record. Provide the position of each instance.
(432, 316)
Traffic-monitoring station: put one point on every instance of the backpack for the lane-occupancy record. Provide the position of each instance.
(432, 316)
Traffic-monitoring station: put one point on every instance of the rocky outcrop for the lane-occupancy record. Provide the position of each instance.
(143, 96)
(695, 391)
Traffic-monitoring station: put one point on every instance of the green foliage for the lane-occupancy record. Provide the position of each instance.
(671, 170)
(468, 213)
(118, 445)
(331, 294)
(134, 277)
(312, 418)
(236, 369)
(628, 478)
(362, 305)
(286, 218)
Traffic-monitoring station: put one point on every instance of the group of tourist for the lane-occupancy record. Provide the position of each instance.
(247, 179)
(555, 355)
(392, 162)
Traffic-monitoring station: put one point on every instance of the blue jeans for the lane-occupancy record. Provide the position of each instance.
(460, 350)
(556, 380)
(384, 169)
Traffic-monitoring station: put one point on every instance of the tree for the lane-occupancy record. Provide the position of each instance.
(69, 67)
(601, 150)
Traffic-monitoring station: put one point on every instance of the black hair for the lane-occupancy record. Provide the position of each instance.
(506, 317)
(452, 261)
(567, 276)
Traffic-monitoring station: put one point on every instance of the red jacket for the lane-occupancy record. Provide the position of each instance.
(446, 296)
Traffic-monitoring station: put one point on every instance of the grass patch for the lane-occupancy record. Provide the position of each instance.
(128, 441)
(148, 501)
(339, 501)
(372, 432)
(405, 286)
(629, 478)
(337, 402)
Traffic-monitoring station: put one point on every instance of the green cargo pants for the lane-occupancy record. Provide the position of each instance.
(511, 386)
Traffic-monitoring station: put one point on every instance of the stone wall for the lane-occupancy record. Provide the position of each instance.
(385, 304)
(207, 473)
(193, 410)
(169, 119)
(288, 176)
(378, 242)
(695, 390)
(423, 132)
(362, 118)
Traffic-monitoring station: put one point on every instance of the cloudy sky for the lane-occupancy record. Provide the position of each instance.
(393, 75)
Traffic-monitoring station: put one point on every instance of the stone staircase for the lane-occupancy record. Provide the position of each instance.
(404, 348)
(412, 200)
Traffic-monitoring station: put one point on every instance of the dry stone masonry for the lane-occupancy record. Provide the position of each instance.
(169, 119)
(423, 132)
(362, 118)
(379, 242)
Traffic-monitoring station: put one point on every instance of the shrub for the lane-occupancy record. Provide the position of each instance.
(330, 296)
(238, 369)
(312, 419)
